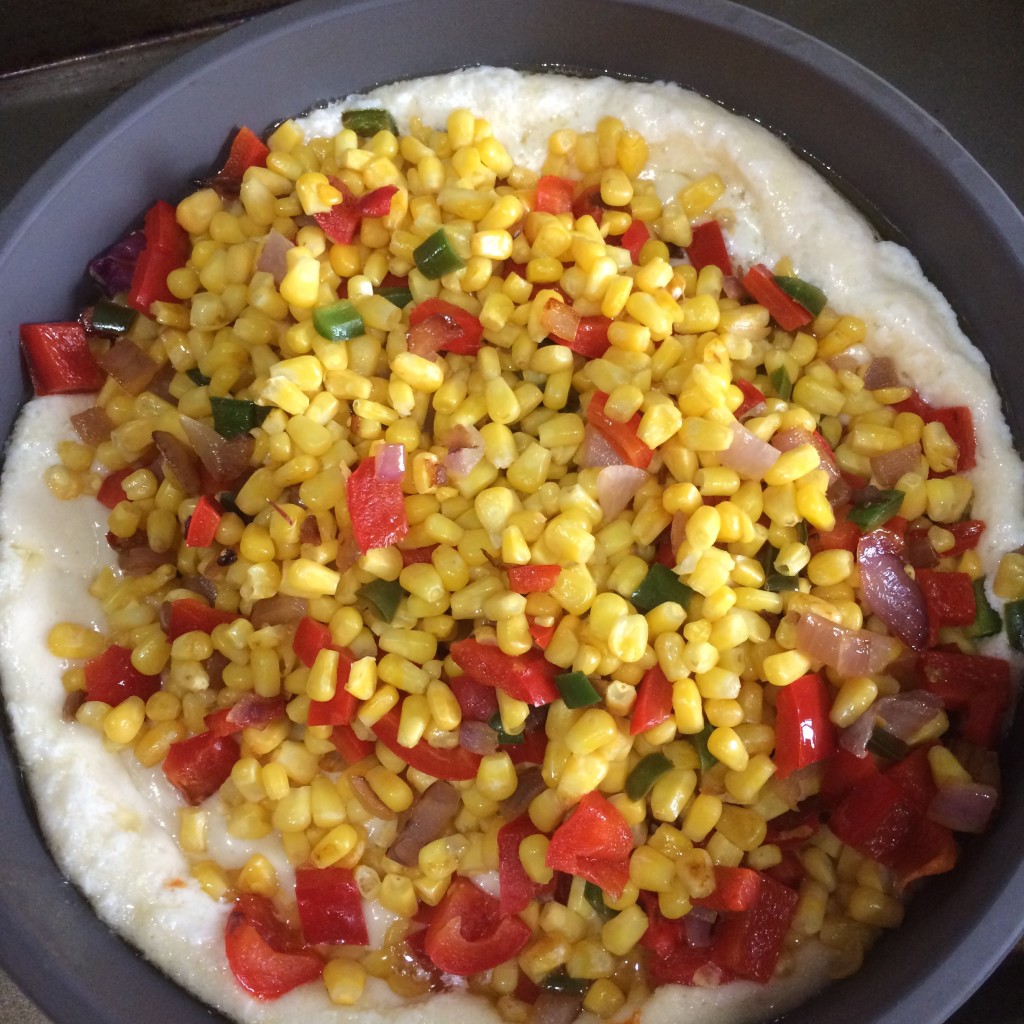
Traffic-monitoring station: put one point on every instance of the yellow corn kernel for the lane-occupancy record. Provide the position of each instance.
(620, 934)
(345, 981)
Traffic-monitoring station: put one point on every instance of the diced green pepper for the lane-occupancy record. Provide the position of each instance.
(873, 514)
(366, 123)
(384, 595)
(986, 619)
(595, 897)
(660, 584)
(782, 384)
(401, 297)
(198, 378)
(646, 772)
(504, 738)
(700, 742)
(576, 689)
(885, 744)
(436, 256)
(810, 296)
(559, 981)
(111, 319)
(777, 583)
(234, 416)
(339, 321)
(1013, 613)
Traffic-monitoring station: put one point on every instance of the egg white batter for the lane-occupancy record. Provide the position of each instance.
(112, 824)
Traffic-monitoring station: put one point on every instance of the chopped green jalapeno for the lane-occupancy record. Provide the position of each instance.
(197, 378)
(576, 689)
(594, 895)
(1013, 611)
(400, 297)
(504, 737)
(384, 595)
(234, 416)
(436, 257)
(646, 772)
(339, 321)
(700, 741)
(366, 123)
(660, 584)
(986, 619)
(110, 319)
(885, 744)
(559, 981)
(873, 514)
(810, 296)
(782, 384)
(777, 583)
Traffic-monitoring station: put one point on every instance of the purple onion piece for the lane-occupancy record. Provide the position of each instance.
(889, 591)
(112, 269)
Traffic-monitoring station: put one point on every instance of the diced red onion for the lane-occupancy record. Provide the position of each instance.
(888, 590)
(698, 924)
(179, 460)
(92, 425)
(748, 455)
(888, 468)
(389, 463)
(478, 737)
(429, 818)
(369, 799)
(112, 270)
(794, 437)
(852, 652)
(732, 287)
(272, 259)
(224, 459)
(279, 610)
(251, 711)
(903, 715)
(202, 585)
(596, 449)
(531, 784)
(881, 373)
(560, 320)
(964, 806)
(309, 531)
(465, 449)
(919, 551)
(616, 486)
(132, 368)
(850, 358)
(839, 493)
(142, 560)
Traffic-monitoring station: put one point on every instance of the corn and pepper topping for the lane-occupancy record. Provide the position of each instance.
(473, 519)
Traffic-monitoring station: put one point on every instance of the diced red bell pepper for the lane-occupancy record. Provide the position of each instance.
(736, 889)
(793, 828)
(591, 338)
(949, 598)
(748, 944)
(340, 223)
(111, 493)
(349, 745)
(199, 766)
(376, 202)
(376, 508)
(456, 329)
(311, 637)
(515, 888)
(455, 765)
(707, 248)
(621, 436)
(671, 960)
(111, 677)
(532, 579)
(914, 776)
(330, 906)
(541, 634)
(790, 870)
(844, 771)
(588, 204)
(250, 711)
(468, 934)
(752, 397)
(265, 958)
(786, 312)
(190, 615)
(530, 750)
(803, 732)
(653, 703)
(594, 842)
(527, 677)
(634, 238)
(203, 523)
(247, 150)
(976, 686)
(59, 360)
(167, 249)
(966, 535)
(958, 421)
(416, 556)
(342, 707)
(554, 194)
(844, 535)
(479, 703)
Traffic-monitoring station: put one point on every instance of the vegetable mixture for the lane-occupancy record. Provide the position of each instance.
(485, 524)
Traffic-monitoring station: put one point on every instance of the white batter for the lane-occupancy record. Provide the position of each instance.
(112, 827)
